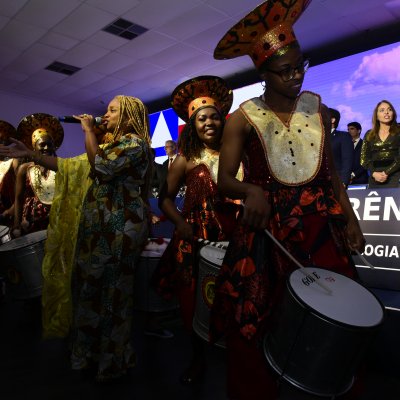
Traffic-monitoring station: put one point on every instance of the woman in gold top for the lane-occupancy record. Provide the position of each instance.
(381, 146)
(35, 184)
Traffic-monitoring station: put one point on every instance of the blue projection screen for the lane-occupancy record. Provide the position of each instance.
(353, 85)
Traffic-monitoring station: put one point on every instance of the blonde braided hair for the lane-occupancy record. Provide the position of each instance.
(134, 118)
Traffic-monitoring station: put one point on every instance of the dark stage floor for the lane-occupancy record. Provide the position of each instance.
(32, 368)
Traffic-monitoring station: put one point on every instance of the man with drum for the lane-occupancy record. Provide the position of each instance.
(290, 188)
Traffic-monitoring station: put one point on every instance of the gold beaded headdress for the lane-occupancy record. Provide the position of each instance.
(34, 126)
(262, 32)
(203, 91)
(39, 133)
(7, 129)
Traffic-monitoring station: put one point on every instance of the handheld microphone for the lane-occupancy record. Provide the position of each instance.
(72, 120)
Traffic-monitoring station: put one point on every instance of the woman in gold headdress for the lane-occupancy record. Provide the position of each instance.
(113, 227)
(290, 187)
(8, 171)
(203, 103)
(34, 189)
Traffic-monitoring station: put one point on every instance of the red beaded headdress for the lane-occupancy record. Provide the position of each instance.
(262, 32)
(202, 91)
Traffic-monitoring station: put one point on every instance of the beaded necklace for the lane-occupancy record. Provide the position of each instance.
(43, 186)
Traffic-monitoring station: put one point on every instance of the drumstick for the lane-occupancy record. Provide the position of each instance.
(363, 259)
(302, 268)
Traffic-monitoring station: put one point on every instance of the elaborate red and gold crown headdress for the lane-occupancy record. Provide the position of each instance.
(203, 91)
(262, 32)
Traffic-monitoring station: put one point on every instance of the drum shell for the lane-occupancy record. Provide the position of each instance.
(207, 273)
(21, 263)
(312, 352)
(145, 297)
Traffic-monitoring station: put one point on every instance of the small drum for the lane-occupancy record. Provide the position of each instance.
(319, 337)
(4, 234)
(145, 297)
(21, 261)
(210, 261)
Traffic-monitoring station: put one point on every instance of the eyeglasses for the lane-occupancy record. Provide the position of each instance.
(289, 73)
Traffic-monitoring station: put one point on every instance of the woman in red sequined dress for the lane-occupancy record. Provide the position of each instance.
(203, 103)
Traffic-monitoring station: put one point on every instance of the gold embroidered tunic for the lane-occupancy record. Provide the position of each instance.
(293, 150)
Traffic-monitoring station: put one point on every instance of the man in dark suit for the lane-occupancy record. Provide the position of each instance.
(342, 149)
(171, 150)
(359, 175)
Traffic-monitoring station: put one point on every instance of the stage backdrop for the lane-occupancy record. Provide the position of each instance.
(353, 85)
(378, 211)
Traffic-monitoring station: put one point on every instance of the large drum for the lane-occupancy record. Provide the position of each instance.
(210, 261)
(21, 264)
(4, 234)
(319, 338)
(145, 297)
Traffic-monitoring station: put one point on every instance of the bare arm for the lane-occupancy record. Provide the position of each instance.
(19, 198)
(91, 143)
(354, 235)
(19, 150)
(175, 177)
(256, 208)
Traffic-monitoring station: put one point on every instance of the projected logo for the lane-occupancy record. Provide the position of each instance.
(164, 125)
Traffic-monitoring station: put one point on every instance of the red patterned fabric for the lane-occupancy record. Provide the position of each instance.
(307, 220)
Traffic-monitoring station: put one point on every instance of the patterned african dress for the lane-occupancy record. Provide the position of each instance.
(212, 218)
(39, 193)
(289, 163)
(7, 185)
(378, 156)
(112, 232)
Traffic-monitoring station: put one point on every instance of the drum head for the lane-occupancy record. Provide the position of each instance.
(214, 254)
(23, 241)
(348, 303)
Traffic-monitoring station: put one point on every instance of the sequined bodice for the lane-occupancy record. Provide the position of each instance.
(377, 155)
(199, 187)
